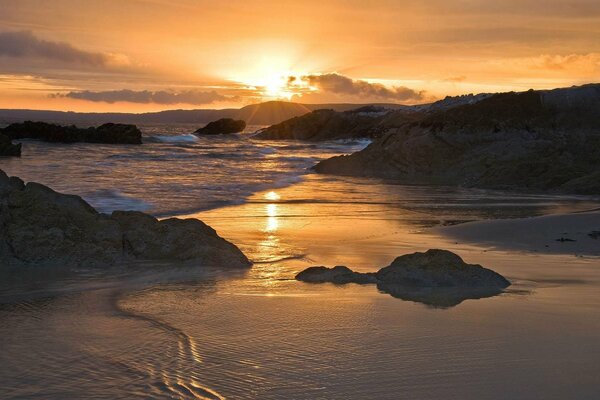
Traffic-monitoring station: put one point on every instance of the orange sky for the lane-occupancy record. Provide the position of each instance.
(145, 55)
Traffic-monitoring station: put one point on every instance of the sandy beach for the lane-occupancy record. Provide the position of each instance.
(573, 233)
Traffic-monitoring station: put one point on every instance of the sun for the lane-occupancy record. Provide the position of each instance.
(269, 76)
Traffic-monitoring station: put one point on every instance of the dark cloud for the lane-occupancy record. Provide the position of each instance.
(22, 44)
(145, 96)
(339, 84)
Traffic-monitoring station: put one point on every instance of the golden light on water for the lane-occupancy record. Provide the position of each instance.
(272, 221)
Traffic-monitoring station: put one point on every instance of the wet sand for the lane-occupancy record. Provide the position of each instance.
(574, 233)
(261, 334)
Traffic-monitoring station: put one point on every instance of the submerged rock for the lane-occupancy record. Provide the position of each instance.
(39, 226)
(222, 126)
(108, 133)
(8, 148)
(438, 278)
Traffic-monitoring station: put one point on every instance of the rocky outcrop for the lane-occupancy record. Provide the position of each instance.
(107, 133)
(8, 148)
(39, 226)
(222, 126)
(438, 278)
(535, 140)
(321, 125)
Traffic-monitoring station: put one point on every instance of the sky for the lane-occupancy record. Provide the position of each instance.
(149, 55)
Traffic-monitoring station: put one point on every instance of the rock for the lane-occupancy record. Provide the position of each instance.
(322, 125)
(39, 226)
(438, 268)
(222, 126)
(107, 133)
(533, 141)
(338, 274)
(594, 234)
(437, 278)
(8, 148)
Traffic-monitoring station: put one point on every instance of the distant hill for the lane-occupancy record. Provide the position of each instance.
(268, 113)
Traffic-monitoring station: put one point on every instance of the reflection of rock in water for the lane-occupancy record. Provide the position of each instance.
(438, 278)
(437, 297)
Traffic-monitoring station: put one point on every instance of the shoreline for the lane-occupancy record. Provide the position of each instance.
(576, 233)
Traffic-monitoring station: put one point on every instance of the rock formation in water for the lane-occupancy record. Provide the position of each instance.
(8, 148)
(320, 125)
(535, 140)
(222, 126)
(107, 133)
(437, 277)
(39, 226)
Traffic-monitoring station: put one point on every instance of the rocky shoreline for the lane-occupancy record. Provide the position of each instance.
(39, 227)
(535, 140)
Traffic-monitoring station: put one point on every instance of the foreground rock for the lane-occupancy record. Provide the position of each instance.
(222, 126)
(535, 140)
(39, 226)
(8, 148)
(438, 278)
(107, 133)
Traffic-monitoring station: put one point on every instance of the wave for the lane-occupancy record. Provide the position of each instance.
(109, 200)
(185, 138)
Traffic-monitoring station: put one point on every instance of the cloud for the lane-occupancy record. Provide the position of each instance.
(196, 97)
(339, 84)
(24, 44)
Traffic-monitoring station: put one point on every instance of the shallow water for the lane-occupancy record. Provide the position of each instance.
(175, 332)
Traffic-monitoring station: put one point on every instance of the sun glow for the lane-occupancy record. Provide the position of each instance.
(273, 196)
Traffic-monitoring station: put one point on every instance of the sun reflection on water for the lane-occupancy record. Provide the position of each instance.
(272, 222)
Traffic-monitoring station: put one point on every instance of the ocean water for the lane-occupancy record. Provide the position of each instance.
(174, 332)
(174, 172)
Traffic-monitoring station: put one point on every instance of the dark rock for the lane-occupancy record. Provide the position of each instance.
(594, 234)
(322, 125)
(437, 278)
(535, 141)
(438, 268)
(338, 274)
(222, 126)
(107, 133)
(39, 226)
(8, 148)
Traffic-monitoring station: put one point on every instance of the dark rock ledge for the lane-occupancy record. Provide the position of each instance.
(108, 133)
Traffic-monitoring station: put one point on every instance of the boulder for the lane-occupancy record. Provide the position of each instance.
(8, 148)
(438, 278)
(39, 226)
(438, 268)
(108, 133)
(222, 126)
